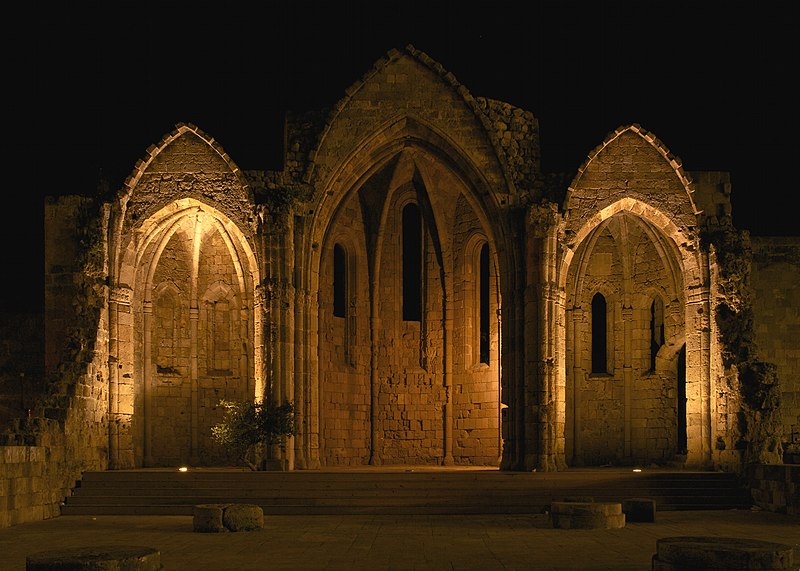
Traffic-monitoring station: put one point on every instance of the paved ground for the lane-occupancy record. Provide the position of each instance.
(434, 543)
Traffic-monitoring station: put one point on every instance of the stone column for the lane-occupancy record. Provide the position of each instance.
(147, 321)
(627, 376)
(698, 377)
(194, 332)
(120, 391)
(578, 325)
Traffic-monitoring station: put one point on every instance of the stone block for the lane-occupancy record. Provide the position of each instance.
(729, 553)
(207, 518)
(112, 558)
(243, 517)
(215, 518)
(587, 515)
(639, 510)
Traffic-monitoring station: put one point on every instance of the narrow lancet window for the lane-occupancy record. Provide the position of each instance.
(599, 335)
(656, 330)
(484, 303)
(412, 263)
(339, 281)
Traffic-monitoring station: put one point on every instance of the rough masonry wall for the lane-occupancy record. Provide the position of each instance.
(628, 165)
(406, 83)
(476, 391)
(218, 348)
(649, 413)
(192, 166)
(68, 431)
(516, 135)
(775, 280)
(411, 394)
(35, 475)
(345, 347)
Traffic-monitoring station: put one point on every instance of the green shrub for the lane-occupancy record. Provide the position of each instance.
(251, 428)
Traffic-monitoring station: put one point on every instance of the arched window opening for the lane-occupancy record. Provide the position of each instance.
(484, 303)
(339, 281)
(412, 263)
(656, 330)
(599, 335)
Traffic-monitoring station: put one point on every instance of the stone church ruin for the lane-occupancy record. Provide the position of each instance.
(421, 292)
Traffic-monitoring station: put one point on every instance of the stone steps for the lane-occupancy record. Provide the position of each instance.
(393, 492)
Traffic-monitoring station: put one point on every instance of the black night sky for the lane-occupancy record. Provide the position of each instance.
(93, 87)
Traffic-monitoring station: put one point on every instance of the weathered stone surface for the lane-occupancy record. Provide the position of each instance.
(208, 518)
(242, 517)
(587, 515)
(586, 508)
(729, 553)
(216, 518)
(99, 558)
(588, 521)
(639, 509)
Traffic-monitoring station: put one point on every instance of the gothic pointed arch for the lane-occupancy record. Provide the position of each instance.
(630, 226)
(185, 289)
(379, 162)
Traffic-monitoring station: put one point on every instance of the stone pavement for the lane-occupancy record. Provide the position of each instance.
(369, 542)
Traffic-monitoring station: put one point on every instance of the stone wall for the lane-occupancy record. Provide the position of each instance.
(775, 281)
(67, 433)
(35, 475)
(776, 487)
(345, 346)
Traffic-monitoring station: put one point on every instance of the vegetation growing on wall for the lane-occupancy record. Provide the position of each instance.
(89, 297)
(282, 201)
(759, 419)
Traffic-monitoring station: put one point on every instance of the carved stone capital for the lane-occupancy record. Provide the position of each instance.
(121, 295)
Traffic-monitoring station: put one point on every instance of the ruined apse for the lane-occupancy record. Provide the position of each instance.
(417, 287)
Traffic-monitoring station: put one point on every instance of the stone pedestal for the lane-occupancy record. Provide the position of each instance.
(728, 553)
(112, 558)
(587, 515)
(215, 518)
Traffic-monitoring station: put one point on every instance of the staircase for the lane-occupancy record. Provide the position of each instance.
(416, 490)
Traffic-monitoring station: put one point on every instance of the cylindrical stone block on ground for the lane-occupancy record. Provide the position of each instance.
(243, 517)
(729, 553)
(587, 515)
(105, 558)
(207, 518)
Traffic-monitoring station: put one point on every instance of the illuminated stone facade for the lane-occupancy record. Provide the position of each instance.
(419, 289)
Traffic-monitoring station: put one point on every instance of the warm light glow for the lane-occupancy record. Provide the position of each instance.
(183, 469)
(637, 469)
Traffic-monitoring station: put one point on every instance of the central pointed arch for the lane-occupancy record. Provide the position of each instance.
(406, 162)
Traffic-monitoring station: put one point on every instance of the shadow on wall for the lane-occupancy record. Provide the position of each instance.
(21, 365)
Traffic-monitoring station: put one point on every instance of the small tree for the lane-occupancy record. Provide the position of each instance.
(252, 428)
